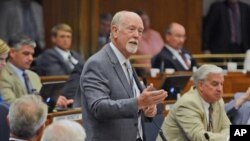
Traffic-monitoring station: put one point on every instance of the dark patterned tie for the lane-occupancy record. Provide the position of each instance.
(234, 14)
(184, 58)
(210, 118)
(27, 83)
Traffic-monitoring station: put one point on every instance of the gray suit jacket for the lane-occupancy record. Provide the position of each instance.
(51, 62)
(110, 111)
(241, 115)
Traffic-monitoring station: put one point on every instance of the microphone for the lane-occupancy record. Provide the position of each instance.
(206, 136)
(160, 131)
(162, 66)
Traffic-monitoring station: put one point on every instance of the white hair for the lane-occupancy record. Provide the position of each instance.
(64, 130)
(27, 114)
(202, 73)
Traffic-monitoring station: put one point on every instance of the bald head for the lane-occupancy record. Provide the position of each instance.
(174, 27)
(175, 35)
(120, 17)
(126, 31)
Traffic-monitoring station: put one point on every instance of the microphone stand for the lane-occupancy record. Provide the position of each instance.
(160, 132)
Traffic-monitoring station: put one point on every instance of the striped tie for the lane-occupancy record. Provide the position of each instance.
(210, 116)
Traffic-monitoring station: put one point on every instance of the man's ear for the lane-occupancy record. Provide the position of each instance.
(53, 39)
(8, 120)
(12, 52)
(114, 30)
(39, 132)
(200, 86)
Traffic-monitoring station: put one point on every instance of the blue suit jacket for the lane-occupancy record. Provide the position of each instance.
(241, 115)
(4, 127)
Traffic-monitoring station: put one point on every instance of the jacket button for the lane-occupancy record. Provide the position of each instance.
(136, 124)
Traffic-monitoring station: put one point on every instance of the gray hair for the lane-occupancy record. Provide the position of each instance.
(116, 20)
(18, 40)
(64, 130)
(117, 17)
(27, 115)
(202, 73)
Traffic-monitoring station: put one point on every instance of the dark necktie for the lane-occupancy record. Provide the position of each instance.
(210, 118)
(70, 60)
(184, 58)
(235, 23)
(27, 83)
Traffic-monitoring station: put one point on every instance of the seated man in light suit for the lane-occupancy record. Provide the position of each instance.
(173, 54)
(238, 109)
(199, 114)
(59, 60)
(12, 81)
(16, 80)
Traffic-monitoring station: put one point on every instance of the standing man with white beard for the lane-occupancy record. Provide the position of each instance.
(115, 105)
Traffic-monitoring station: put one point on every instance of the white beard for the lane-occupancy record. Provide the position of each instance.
(131, 48)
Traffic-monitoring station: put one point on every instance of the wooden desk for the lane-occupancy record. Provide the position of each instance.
(233, 81)
(73, 114)
(54, 78)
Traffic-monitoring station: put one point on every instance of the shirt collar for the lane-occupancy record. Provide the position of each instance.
(174, 51)
(16, 69)
(16, 139)
(64, 53)
(206, 105)
(118, 54)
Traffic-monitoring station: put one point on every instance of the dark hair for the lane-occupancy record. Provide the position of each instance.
(20, 39)
(140, 12)
(105, 17)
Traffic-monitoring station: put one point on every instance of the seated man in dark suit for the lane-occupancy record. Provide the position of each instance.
(71, 89)
(59, 60)
(27, 116)
(173, 55)
(4, 127)
(238, 108)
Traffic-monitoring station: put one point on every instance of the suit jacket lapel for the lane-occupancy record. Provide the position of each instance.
(64, 64)
(118, 69)
(173, 59)
(199, 102)
(137, 81)
(15, 77)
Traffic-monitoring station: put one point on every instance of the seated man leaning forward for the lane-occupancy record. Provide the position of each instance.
(16, 78)
(199, 114)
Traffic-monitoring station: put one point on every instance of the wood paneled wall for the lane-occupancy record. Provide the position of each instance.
(163, 12)
(82, 16)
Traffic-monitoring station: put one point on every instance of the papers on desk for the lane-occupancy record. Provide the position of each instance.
(77, 116)
(169, 107)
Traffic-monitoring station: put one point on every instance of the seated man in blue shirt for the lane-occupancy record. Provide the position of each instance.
(238, 108)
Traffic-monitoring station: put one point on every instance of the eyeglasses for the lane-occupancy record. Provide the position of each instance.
(178, 36)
